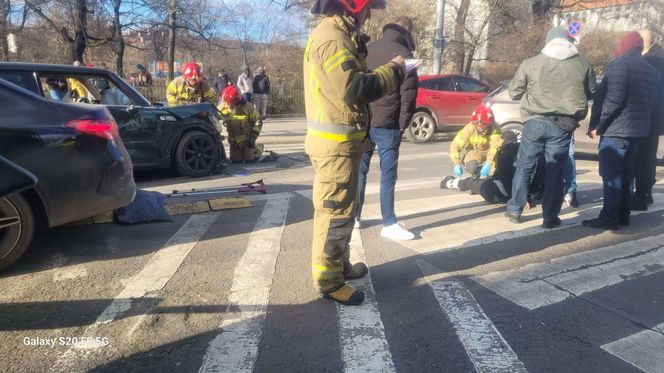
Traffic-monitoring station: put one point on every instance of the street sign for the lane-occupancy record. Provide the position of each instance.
(574, 28)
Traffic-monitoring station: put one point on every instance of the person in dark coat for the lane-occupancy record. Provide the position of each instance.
(622, 114)
(646, 157)
(390, 116)
(221, 81)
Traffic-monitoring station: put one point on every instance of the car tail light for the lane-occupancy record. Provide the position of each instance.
(105, 128)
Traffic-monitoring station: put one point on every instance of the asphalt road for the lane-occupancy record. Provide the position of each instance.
(230, 290)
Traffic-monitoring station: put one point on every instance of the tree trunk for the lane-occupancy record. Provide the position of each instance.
(119, 39)
(4, 20)
(459, 47)
(171, 38)
(469, 60)
(80, 37)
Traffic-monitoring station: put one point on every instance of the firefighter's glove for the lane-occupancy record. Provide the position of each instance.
(484, 172)
(251, 142)
(458, 171)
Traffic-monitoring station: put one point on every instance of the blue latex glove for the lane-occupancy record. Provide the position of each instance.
(458, 171)
(251, 142)
(484, 172)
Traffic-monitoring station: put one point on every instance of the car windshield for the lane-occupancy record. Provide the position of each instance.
(500, 89)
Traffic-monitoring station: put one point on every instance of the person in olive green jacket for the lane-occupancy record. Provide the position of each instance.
(553, 88)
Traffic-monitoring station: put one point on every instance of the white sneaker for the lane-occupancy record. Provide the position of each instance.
(357, 224)
(397, 232)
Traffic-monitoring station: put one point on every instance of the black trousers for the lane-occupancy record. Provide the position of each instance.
(646, 162)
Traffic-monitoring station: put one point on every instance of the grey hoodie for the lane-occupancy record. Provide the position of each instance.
(556, 82)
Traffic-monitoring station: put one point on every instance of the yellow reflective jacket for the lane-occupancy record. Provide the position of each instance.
(469, 138)
(179, 92)
(338, 88)
(76, 86)
(241, 121)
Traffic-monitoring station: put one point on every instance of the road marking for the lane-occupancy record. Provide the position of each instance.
(541, 284)
(235, 349)
(642, 350)
(364, 347)
(154, 276)
(497, 228)
(485, 346)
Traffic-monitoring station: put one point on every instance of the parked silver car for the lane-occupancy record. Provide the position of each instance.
(508, 117)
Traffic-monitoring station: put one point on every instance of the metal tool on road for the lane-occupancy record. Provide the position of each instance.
(255, 187)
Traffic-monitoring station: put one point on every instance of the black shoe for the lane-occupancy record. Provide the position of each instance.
(446, 180)
(639, 204)
(600, 223)
(624, 221)
(551, 223)
(570, 199)
(513, 218)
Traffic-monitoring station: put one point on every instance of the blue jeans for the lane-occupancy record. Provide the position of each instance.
(540, 136)
(569, 172)
(387, 142)
(617, 161)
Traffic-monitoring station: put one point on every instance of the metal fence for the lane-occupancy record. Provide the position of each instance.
(283, 99)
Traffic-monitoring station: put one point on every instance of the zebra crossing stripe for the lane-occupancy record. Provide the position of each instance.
(154, 276)
(235, 349)
(496, 228)
(642, 350)
(538, 285)
(485, 346)
(364, 347)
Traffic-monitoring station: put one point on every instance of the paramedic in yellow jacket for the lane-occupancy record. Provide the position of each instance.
(480, 139)
(243, 123)
(338, 89)
(190, 88)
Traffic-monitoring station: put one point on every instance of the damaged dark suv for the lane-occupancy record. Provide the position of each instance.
(187, 138)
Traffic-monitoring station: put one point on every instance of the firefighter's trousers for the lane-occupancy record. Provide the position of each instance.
(240, 151)
(334, 195)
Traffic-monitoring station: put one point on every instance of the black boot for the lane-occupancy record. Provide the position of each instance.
(600, 223)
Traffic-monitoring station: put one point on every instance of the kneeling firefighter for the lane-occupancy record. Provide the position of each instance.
(338, 89)
(480, 139)
(243, 124)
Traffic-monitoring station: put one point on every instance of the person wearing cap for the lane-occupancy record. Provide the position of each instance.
(553, 89)
(190, 88)
(622, 116)
(646, 156)
(338, 88)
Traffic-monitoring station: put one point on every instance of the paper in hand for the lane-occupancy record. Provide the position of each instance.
(412, 63)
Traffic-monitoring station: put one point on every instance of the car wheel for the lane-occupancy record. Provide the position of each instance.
(515, 127)
(422, 128)
(197, 154)
(17, 226)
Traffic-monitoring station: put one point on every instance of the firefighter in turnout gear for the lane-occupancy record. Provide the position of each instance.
(338, 89)
(480, 139)
(190, 88)
(243, 123)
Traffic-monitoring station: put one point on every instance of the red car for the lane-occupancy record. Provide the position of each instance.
(444, 103)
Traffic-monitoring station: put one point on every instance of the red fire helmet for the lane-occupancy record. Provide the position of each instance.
(192, 72)
(482, 117)
(231, 95)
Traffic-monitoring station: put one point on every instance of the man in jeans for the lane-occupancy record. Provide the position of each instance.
(390, 117)
(261, 91)
(554, 88)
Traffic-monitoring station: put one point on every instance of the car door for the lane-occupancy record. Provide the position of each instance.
(471, 92)
(440, 97)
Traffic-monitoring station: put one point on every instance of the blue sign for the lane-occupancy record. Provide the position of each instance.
(574, 28)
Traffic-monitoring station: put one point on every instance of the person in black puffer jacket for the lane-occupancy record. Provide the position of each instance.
(390, 116)
(622, 115)
(646, 157)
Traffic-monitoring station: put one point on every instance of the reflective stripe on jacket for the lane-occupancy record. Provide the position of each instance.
(241, 121)
(469, 138)
(181, 93)
(338, 88)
